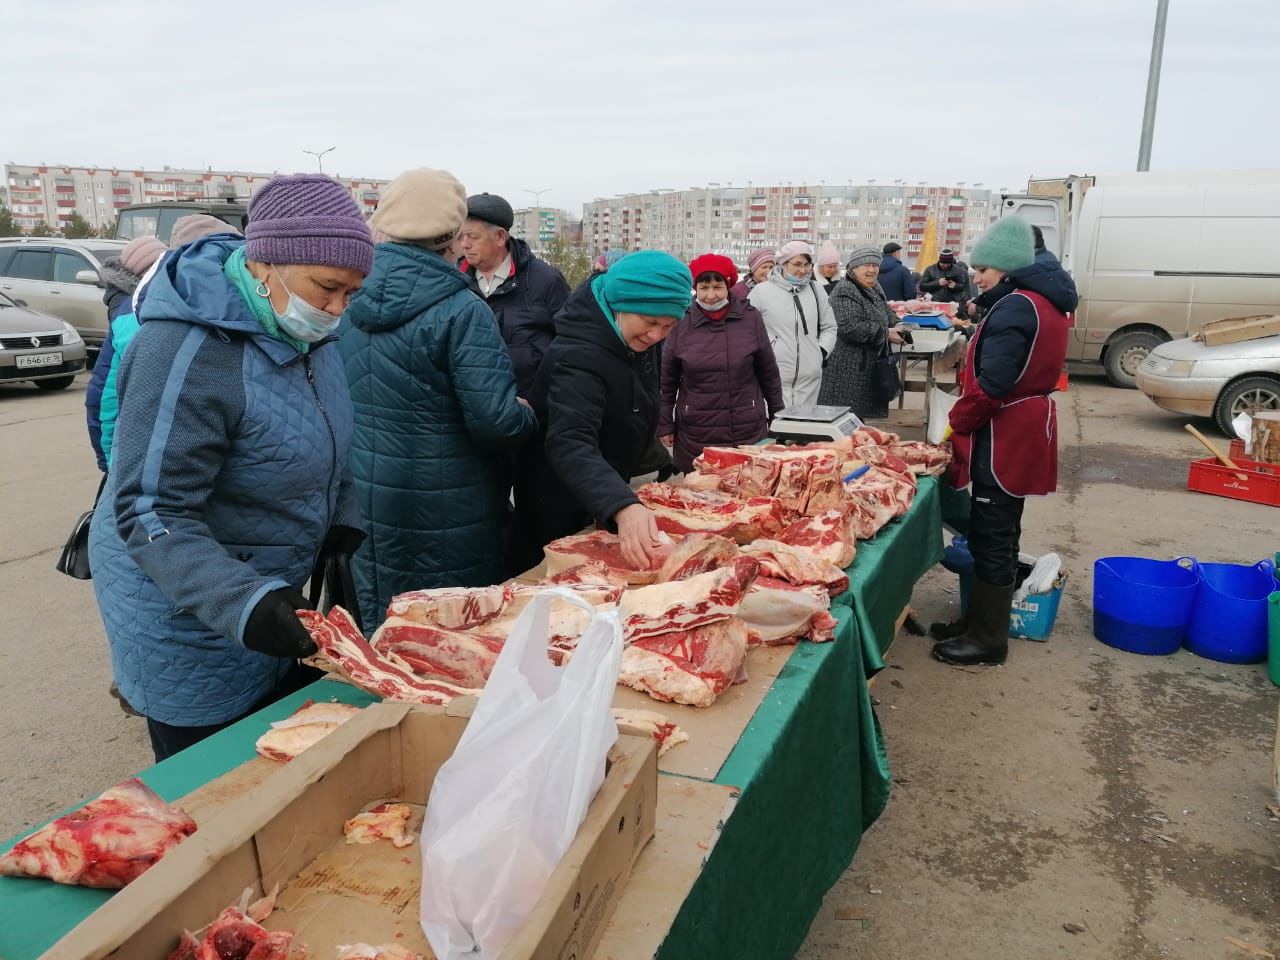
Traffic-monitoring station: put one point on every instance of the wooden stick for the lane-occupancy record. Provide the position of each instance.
(1212, 448)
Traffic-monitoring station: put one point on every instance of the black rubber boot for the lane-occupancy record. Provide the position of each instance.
(950, 629)
(987, 641)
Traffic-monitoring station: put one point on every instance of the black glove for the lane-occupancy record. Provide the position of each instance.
(274, 628)
(341, 540)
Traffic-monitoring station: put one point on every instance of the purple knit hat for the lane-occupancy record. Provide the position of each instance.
(308, 218)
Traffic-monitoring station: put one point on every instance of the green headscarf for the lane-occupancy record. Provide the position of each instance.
(236, 269)
(647, 282)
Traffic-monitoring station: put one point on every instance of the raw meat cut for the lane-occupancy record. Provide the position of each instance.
(462, 657)
(877, 457)
(454, 608)
(595, 572)
(685, 604)
(362, 951)
(601, 546)
(654, 724)
(870, 436)
(687, 666)
(886, 493)
(829, 535)
(797, 565)
(107, 843)
(804, 479)
(237, 934)
(681, 510)
(345, 651)
(697, 553)
(307, 726)
(929, 459)
(778, 612)
(386, 821)
(904, 308)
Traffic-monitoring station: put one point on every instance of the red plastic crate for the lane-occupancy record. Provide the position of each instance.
(1261, 483)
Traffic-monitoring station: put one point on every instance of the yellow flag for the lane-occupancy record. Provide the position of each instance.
(929, 246)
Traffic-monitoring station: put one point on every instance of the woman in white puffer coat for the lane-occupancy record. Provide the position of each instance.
(801, 326)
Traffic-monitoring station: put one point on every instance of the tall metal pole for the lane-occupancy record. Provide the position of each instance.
(319, 155)
(1153, 86)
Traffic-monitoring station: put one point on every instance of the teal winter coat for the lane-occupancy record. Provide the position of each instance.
(436, 421)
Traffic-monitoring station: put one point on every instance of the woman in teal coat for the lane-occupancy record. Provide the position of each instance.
(436, 414)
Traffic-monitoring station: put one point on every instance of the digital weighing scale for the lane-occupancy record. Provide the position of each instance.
(811, 424)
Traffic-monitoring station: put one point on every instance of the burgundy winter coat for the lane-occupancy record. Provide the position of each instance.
(720, 381)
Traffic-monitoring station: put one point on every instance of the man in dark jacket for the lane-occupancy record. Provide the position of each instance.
(895, 278)
(523, 292)
(947, 281)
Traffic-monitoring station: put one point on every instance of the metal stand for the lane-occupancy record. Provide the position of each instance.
(931, 347)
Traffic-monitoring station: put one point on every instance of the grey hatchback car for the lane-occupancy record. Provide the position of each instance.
(37, 347)
(60, 277)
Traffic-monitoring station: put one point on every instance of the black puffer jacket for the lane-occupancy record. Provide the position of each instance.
(599, 402)
(525, 306)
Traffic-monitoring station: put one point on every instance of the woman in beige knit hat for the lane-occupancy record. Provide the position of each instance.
(435, 400)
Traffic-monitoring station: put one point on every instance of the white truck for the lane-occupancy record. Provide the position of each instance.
(1155, 255)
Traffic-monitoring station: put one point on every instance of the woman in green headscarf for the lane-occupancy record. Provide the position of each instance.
(596, 396)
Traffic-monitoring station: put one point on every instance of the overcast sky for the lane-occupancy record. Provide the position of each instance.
(596, 99)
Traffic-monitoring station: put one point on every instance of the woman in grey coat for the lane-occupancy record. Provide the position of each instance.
(864, 324)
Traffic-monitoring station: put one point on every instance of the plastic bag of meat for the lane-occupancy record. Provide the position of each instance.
(107, 843)
(506, 806)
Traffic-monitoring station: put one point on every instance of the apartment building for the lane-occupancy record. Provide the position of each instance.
(736, 220)
(538, 225)
(50, 193)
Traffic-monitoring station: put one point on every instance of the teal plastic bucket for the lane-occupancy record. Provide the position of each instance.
(1273, 658)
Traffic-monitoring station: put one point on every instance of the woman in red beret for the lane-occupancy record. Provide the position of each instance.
(720, 381)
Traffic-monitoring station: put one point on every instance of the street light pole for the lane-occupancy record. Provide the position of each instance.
(537, 198)
(1153, 86)
(319, 155)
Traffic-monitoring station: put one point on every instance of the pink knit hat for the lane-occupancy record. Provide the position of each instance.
(140, 253)
(794, 248)
(765, 255)
(828, 255)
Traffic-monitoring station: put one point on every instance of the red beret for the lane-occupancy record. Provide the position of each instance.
(714, 263)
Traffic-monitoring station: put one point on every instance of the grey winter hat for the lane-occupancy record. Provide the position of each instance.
(861, 256)
(490, 208)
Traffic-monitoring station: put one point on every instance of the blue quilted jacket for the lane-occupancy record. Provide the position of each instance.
(229, 465)
(436, 423)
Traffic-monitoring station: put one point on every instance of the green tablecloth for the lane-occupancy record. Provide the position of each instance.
(811, 765)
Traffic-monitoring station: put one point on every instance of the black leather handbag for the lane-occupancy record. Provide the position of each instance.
(74, 561)
(886, 384)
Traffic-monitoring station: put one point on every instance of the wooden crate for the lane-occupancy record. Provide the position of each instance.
(1234, 329)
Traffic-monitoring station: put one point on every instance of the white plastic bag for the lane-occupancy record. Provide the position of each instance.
(940, 404)
(508, 803)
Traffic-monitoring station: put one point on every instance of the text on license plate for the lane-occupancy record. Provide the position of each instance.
(39, 360)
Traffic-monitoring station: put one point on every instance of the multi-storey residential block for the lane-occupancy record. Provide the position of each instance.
(50, 193)
(736, 220)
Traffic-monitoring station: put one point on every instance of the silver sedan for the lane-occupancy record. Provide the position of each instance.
(37, 347)
(1221, 382)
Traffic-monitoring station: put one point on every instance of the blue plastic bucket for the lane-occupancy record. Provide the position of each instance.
(1142, 605)
(1229, 620)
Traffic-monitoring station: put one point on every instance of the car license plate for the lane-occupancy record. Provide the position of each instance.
(39, 360)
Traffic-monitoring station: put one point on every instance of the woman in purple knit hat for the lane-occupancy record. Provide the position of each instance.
(229, 476)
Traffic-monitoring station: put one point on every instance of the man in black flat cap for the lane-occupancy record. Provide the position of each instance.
(525, 293)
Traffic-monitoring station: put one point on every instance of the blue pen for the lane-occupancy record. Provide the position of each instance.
(857, 473)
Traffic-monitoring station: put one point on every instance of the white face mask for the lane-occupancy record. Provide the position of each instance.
(301, 320)
(717, 305)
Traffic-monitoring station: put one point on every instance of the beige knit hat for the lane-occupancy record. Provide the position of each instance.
(421, 205)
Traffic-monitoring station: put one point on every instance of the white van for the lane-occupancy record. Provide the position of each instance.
(1155, 255)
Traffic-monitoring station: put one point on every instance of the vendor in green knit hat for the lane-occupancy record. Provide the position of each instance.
(596, 396)
(1005, 427)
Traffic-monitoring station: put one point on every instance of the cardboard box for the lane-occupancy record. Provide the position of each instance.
(1235, 329)
(288, 830)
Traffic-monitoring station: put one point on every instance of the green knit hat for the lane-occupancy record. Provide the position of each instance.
(648, 282)
(1007, 245)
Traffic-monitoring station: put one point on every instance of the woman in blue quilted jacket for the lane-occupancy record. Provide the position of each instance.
(437, 417)
(229, 475)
